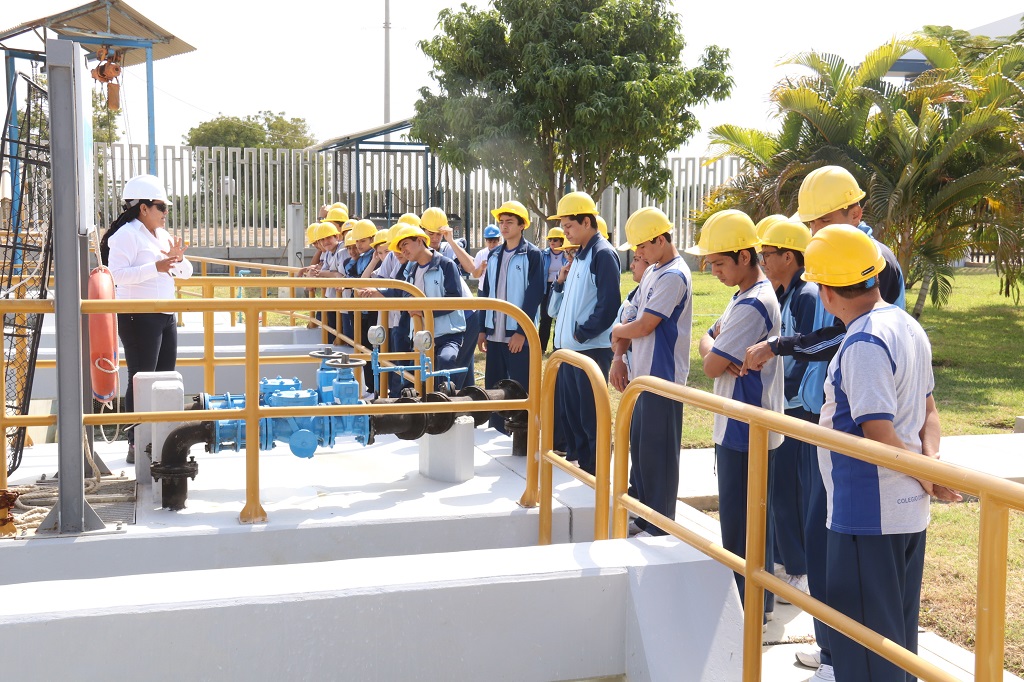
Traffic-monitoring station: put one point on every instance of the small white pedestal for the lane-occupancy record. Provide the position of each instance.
(449, 456)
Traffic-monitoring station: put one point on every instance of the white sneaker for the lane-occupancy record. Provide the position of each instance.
(769, 616)
(633, 528)
(643, 534)
(823, 674)
(780, 571)
(809, 659)
(797, 581)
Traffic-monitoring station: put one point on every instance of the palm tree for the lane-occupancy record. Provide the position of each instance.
(940, 155)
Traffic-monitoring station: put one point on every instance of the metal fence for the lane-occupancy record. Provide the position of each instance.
(231, 197)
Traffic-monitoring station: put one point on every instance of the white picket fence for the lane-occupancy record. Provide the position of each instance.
(230, 197)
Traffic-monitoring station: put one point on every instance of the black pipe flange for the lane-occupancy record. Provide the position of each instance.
(173, 472)
(478, 394)
(439, 422)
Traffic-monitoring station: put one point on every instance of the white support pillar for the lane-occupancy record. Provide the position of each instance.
(143, 388)
(448, 456)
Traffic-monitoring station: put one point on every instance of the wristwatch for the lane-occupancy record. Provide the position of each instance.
(773, 343)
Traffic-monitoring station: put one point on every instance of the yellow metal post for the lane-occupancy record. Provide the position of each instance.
(620, 483)
(757, 515)
(533, 454)
(547, 443)
(209, 369)
(253, 511)
(991, 614)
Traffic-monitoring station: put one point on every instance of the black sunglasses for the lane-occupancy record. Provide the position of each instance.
(162, 207)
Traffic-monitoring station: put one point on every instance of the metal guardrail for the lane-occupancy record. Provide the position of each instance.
(253, 511)
(997, 497)
(601, 479)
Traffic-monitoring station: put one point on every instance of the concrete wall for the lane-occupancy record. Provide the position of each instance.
(562, 612)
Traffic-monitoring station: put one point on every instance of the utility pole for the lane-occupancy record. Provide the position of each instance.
(387, 64)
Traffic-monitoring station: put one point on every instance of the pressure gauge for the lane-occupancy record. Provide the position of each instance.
(422, 341)
(376, 335)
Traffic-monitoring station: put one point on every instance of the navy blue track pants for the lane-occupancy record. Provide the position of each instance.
(654, 436)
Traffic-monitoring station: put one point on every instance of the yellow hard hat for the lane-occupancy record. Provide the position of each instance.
(311, 233)
(827, 189)
(766, 222)
(555, 233)
(405, 231)
(410, 219)
(513, 208)
(787, 234)
(349, 239)
(363, 229)
(574, 203)
(337, 215)
(725, 232)
(338, 204)
(381, 237)
(602, 227)
(433, 219)
(644, 225)
(325, 230)
(347, 225)
(569, 246)
(841, 255)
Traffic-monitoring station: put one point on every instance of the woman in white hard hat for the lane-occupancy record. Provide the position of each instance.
(144, 260)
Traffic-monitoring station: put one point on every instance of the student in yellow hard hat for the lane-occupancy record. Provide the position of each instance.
(555, 257)
(437, 277)
(828, 195)
(330, 263)
(782, 258)
(879, 385)
(728, 243)
(434, 222)
(515, 275)
(659, 337)
(590, 297)
(397, 322)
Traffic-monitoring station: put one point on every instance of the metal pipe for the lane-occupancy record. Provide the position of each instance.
(175, 467)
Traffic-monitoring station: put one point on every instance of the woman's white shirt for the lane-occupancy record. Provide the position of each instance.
(134, 252)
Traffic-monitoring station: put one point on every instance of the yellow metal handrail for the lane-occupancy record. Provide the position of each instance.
(997, 497)
(253, 511)
(209, 284)
(601, 480)
(233, 266)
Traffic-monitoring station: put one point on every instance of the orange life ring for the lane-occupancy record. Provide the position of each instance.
(103, 338)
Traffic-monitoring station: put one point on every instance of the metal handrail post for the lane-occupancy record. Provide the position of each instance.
(209, 369)
(757, 518)
(991, 609)
(542, 468)
(253, 511)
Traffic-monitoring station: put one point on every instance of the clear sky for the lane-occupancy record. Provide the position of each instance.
(323, 61)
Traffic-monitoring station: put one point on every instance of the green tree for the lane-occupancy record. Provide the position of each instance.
(543, 94)
(264, 129)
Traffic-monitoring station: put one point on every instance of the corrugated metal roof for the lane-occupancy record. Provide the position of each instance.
(362, 136)
(89, 24)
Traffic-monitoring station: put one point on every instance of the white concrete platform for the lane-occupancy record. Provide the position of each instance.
(354, 504)
(346, 502)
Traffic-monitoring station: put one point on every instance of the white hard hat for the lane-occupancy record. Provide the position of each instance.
(146, 187)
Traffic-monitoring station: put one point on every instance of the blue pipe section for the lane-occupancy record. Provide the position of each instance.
(335, 386)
